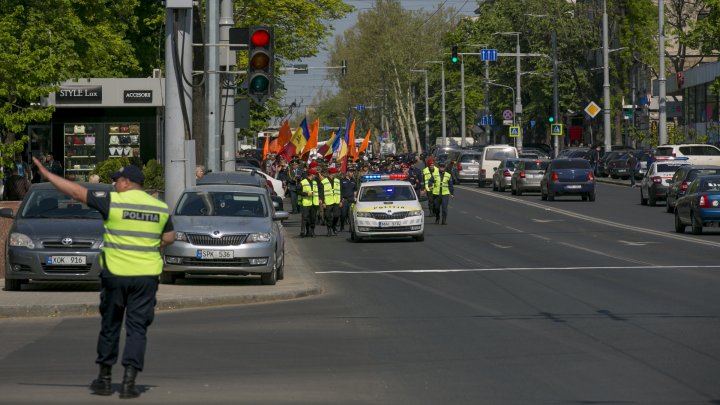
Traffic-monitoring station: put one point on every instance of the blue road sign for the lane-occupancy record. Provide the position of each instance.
(487, 120)
(360, 107)
(556, 130)
(325, 127)
(514, 132)
(488, 54)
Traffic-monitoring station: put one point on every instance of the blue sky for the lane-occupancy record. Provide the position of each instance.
(302, 88)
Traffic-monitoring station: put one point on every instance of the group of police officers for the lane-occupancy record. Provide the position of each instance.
(324, 194)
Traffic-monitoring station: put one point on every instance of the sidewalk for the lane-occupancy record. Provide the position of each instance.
(60, 300)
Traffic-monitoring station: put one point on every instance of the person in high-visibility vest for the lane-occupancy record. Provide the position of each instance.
(445, 191)
(137, 225)
(431, 175)
(331, 201)
(310, 193)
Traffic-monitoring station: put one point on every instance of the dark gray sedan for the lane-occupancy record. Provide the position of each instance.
(226, 230)
(53, 238)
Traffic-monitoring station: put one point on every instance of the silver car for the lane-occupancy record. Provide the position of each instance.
(468, 166)
(528, 175)
(226, 230)
(53, 238)
(503, 174)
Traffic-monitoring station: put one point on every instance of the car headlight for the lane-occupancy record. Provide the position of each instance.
(181, 236)
(364, 215)
(258, 237)
(415, 213)
(20, 239)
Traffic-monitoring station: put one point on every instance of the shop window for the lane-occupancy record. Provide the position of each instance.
(124, 140)
(80, 149)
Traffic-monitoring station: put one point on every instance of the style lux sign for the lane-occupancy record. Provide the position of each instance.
(79, 95)
(137, 96)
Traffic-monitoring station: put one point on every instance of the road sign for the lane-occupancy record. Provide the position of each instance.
(508, 122)
(488, 54)
(556, 129)
(514, 132)
(360, 107)
(592, 109)
(487, 120)
(300, 69)
(507, 114)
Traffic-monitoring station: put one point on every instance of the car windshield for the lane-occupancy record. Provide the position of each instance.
(469, 158)
(535, 165)
(51, 203)
(571, 164)
(499, 154)
(711, 184)
(694, 174)
(663, 168)
(221, 204)
(664, 151)
(387, 193)
(579, 153)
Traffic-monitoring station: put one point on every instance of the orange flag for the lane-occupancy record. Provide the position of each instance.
(284, 136)
(266, 147)
(365, 143)
(273, 146)
(352, 150)
(314, 131)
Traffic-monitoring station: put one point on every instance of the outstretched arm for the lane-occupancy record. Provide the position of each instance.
(72, 189)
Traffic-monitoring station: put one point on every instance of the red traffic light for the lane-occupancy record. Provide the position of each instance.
(260, 38)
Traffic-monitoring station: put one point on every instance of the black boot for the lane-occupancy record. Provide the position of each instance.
(329, 231)
(103, 384)
(312, 232)
(128, 385)
(437, 220)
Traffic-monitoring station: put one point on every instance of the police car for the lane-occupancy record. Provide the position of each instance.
(386, 205)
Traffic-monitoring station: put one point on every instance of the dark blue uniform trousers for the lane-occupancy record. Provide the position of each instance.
(134, 299)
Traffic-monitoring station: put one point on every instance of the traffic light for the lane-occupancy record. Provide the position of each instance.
(550, 113)
(551, 119)
(261, 73)
(343, 67)
(454, 54)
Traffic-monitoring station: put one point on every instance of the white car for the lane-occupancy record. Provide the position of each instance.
(386, 206)
(490, 159)
(277, 185)
(697, 153)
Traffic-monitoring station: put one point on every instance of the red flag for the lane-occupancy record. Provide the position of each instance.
(283, 136)
(266, 147)
(296, 144)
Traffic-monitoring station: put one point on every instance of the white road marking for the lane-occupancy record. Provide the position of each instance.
(514, 229)
(539, 236)
(500, 246)
(545, 221)
(597, 252)
(588, 218)
(629, 243)
(651, 267)
(463, 212)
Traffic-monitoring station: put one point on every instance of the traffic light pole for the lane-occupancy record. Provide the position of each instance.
(606, 82)
(662, 97)
(211, 138)
(462, 100)
(228, 93)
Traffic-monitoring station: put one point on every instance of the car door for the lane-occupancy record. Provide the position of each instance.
(684, 203)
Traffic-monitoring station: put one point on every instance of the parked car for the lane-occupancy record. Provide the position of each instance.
(545, 148)
(468, 166)
(503, 174)
(275, 184)
(533, 153)
(226, 230)
(490, 160)
(700, 206)
(655, 183)
(245, 161)
(574, 153)
(697, 154)
(618, 167)
(603, 164)
(245, 178)
(53, 238)
(682, 178)
(568, 177)
(528, 175)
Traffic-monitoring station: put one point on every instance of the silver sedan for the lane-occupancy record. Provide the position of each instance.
(226, 230)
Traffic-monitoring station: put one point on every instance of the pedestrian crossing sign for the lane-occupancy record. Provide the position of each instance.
(514, 132)
(556, 129)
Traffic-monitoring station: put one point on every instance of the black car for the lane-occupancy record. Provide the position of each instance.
(682, 178)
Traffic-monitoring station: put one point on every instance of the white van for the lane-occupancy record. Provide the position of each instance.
(697, 153)
(490, 160)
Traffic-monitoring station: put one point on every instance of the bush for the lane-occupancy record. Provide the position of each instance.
(103, 169)
(154, 178)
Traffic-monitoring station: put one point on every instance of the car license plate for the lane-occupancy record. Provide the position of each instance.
(386, 224)
(573, 186)
(205, 254)
(65, 260)
(621, 170)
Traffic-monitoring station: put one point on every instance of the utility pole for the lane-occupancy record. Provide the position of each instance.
(606, 81)
(662, 99)
(227, 60)
(556, 113)
(178, 102)
(462, 100)
(212, 88)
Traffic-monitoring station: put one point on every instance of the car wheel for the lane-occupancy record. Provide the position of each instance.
(591, 196)
(420, 238)
(13, 285)
(167, 277)
(651, 200)
(543, 196)
(512, 190)
(613, 176)
(584, 197)
(679, 226)
(270, 278)
(518, 191)
(696, 224)
(643, 200)
(550, 196)
(281, 268)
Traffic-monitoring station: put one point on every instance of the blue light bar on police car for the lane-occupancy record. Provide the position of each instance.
(377, 177)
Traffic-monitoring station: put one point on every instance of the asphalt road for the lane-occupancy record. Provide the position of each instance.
(516, 301)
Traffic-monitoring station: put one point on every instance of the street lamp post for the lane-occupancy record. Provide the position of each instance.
(427, 109)
(518, 92)
(662, 96)
(488, 82)
(442, 79)
(606, 81)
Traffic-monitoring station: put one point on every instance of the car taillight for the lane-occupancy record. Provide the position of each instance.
(590, 176)
(522, 174)
(657, 179)
(704, 203)
(683, 186)
(507, 173)
(459, 167)
(555, 177)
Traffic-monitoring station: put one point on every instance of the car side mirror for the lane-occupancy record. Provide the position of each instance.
(6, 213)
(276, 205)
(281, 216)
(494, 169)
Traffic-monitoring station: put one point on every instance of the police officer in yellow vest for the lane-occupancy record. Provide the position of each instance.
(331, 191)
(431, 175)
(137, 225)
(444, 191)
(310, 203)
